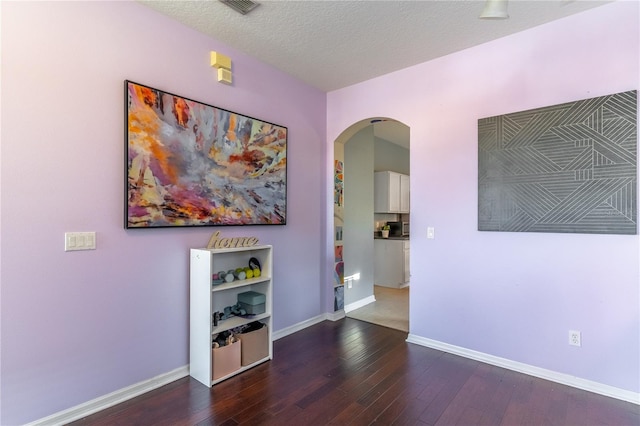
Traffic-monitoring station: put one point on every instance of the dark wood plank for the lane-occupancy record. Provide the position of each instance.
(352, 372)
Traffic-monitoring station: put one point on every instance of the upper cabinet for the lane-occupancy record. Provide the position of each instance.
(391, 192)
(404, 194)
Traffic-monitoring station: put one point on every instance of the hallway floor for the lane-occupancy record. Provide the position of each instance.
(391, 308)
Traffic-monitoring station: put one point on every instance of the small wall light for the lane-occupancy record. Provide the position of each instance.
(223, 64)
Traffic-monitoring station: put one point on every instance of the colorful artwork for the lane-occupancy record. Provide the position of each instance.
(338, 183)
(192, 164)
(338, 275)
(338, 299)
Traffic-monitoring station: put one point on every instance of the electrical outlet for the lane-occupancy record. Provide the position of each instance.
(575, 338)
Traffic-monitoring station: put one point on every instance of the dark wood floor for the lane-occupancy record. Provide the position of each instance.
(356, 373)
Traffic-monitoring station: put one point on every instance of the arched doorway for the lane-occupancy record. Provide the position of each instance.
(368, 146)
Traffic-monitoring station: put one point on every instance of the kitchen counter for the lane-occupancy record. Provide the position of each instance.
(376, 236)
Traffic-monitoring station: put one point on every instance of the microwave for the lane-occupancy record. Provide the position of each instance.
(398, 229)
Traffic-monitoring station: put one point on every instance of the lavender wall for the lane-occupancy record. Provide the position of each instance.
(511, 295)
(79, 325)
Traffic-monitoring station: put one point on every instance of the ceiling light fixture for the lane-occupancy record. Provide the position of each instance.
(495, 9)
(241, 6)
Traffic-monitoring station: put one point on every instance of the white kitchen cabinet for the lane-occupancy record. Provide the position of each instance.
(391, 262)
(206, 299)
(407, 269)
(391, 192)
(404, 194)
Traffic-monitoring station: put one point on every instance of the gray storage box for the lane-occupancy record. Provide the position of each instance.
(252, 302)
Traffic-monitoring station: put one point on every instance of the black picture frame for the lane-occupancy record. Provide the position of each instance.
(188, 163)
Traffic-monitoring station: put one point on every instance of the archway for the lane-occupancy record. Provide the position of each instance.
(365, 147)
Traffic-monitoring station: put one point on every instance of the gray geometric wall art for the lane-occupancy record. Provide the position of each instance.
(564, 168)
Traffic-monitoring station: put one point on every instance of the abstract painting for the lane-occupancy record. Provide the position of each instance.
(338, 298)
(338, 183)
(563, 168)
(338, 272)
(193, 164)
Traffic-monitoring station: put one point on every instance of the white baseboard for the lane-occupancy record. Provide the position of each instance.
(297, 327)
(331, 316)
(124, 394)
(336, 316)
(359, 304)
(109, 400)
(531, 370)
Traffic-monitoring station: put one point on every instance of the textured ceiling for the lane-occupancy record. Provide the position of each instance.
(334, 44)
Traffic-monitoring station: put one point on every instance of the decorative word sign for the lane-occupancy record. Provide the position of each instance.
(219, 243)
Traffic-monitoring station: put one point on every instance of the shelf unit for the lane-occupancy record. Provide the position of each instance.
(206, 298)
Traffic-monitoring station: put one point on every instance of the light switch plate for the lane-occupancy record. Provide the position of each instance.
(74, 241)
(431, 233)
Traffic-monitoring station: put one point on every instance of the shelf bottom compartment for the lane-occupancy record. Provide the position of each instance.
(251, 348)
(225, 360)
(240, 370)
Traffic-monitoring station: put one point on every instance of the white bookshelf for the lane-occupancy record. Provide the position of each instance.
(206, 299)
